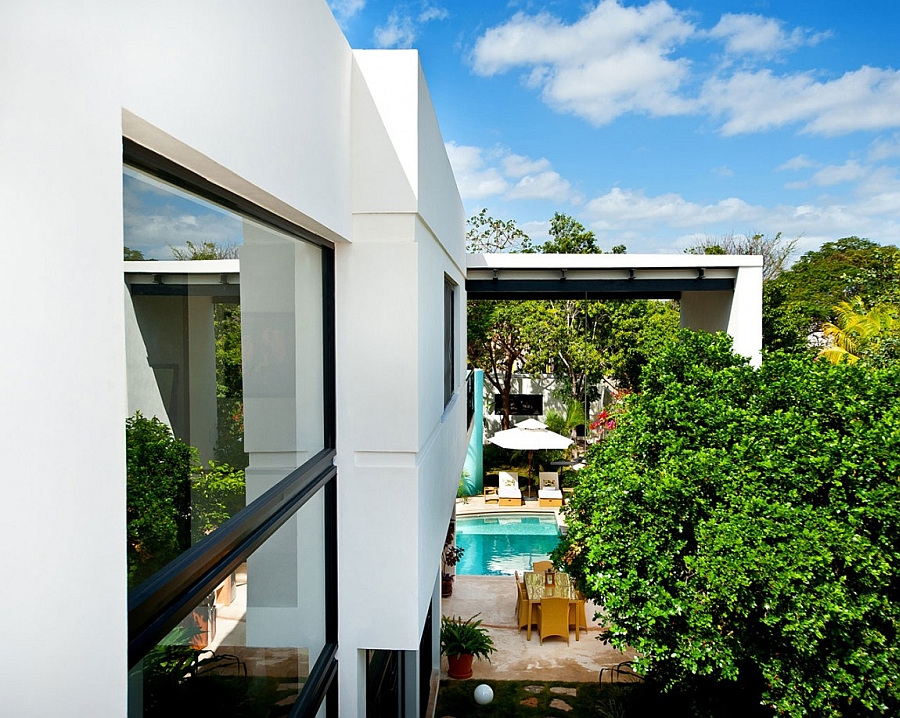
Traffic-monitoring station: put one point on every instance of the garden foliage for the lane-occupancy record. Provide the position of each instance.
(743, 525)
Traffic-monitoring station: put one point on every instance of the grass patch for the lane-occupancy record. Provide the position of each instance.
(634, 700)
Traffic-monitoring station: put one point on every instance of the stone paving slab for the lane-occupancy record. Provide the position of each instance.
(494, 597)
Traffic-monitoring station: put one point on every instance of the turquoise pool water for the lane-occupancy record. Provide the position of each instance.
(498, 544)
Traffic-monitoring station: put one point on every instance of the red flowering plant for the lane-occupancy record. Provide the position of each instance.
(606, 419)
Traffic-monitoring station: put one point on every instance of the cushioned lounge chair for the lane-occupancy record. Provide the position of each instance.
(549, 493)
(509, 492)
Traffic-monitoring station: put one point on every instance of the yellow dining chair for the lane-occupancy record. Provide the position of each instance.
(522, 609)
(576, 614)
(541, 566)
(518, 581)
(553, 619)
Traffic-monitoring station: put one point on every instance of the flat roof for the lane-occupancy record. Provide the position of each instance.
(601, 276)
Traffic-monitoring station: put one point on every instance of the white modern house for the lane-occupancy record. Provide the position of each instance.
(329, 164)
(351, 284)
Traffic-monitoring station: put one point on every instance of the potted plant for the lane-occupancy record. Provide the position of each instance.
(451, 556)
(462, 642)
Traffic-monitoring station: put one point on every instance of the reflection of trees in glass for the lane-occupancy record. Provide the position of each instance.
(171, 502)
(229, 371)
(159, 470)
(229, 386)
(217, 494)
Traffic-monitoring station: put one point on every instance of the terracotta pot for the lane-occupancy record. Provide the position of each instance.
(446, 587)
(460, 667)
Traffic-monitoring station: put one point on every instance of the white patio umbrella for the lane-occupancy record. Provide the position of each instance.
(530, 435)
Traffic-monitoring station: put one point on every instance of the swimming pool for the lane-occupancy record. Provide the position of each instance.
(501, 543)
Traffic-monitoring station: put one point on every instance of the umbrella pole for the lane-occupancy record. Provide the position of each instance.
(530, 462)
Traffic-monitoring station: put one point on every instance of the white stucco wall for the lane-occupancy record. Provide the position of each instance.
(399, 450)
(256, 97)
(739, 313)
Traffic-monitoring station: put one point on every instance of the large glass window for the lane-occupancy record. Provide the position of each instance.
(231, 496)
(248, 647)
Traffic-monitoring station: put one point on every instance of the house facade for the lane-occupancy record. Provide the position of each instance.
(352, 275)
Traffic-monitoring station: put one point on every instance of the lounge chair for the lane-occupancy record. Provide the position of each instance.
(553, 618)
(509, 492)
(549, 493)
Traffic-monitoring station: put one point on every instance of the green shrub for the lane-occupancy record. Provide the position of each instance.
(744, 525)
(460, 636)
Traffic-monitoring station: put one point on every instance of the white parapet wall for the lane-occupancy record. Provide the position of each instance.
(400, 448)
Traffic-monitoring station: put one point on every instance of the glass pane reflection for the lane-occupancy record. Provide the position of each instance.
(248, 648)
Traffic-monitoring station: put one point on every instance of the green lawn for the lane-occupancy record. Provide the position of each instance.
(511, 698)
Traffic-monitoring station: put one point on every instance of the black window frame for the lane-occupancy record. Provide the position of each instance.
(160, 602)
(449, 338)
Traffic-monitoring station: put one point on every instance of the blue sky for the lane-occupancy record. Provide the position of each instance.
(656, 124)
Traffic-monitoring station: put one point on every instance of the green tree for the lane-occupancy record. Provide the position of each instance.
(837, 272)
(568, 236)
(743, 525)
(497, 343)
(566, 339)
(496, 336)
(775, 251)
(487, 235)
(872, 334)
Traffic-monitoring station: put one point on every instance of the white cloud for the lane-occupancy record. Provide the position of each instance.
(850, 171)
(498, 172)
(403, 25)
(613, 60)
(723, 171)
(866, 99)
(432, 12)
(620, 209)
(398, 31)
(474, 179)
(345, 9)
(669, 222)
(884, 148)
(519, 166)
(745, 34)
(544, 185)
(797, 163)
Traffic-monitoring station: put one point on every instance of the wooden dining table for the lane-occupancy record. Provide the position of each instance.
(536, 588)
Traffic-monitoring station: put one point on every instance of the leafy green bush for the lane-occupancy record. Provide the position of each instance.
(159, 471)
(743, 524)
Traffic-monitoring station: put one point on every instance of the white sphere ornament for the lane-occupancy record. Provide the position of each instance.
(484, 694)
